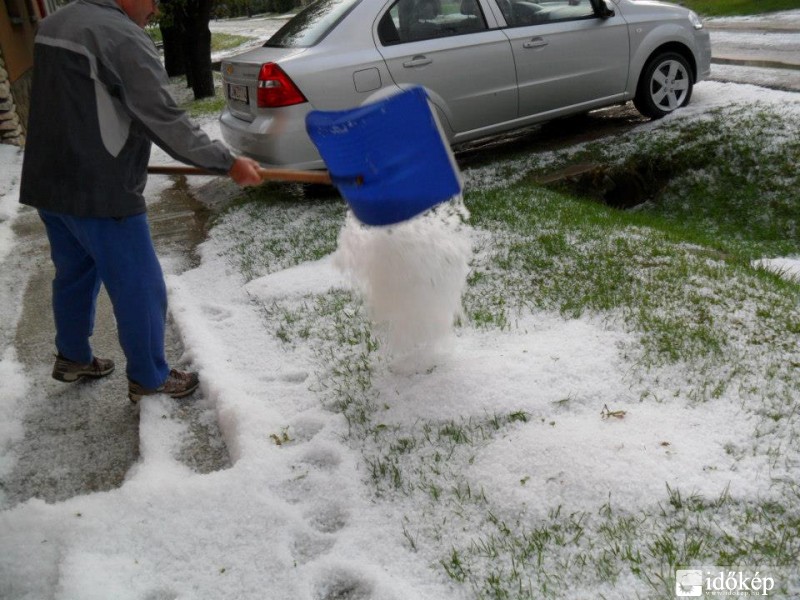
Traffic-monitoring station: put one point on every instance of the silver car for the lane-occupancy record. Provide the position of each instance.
(488, 66)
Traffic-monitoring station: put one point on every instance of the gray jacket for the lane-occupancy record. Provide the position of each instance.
(99, 97)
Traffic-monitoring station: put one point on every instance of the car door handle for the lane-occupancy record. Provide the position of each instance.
(535, 43)
(417, 61)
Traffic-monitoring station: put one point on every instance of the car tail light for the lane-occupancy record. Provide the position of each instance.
(275, 88)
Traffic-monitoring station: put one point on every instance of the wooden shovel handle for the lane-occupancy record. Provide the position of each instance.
(266, 174)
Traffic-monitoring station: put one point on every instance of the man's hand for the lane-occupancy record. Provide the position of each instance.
(245, 171)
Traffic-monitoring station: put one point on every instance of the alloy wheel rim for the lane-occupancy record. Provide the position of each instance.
(669, 85)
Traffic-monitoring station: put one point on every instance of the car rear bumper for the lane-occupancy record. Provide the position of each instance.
(273, 140)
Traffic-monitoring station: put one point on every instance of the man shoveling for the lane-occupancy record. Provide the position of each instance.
(99, 98)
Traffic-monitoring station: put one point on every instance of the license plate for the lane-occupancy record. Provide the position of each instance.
(237, 92)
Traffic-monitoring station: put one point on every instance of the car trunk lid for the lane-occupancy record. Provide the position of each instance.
(240, 78)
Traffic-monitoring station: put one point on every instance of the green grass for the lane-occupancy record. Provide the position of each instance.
(154, 31)
(204, 107)
(675, 273)
(226, 41)
(275, 226)
(720, 8)
(678, 271)
(726, 182)
(212, 105)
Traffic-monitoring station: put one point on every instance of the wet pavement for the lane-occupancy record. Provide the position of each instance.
(84, 437)
(67, 427)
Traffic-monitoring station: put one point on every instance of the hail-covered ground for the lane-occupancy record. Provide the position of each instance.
(361, 475)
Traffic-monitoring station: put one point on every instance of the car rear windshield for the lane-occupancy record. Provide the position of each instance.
(311, 24)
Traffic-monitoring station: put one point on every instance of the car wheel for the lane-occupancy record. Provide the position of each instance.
(665, 84)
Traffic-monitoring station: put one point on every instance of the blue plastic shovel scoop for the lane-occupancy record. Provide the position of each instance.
(388, 158)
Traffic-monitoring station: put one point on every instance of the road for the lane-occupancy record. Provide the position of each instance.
(762, 50)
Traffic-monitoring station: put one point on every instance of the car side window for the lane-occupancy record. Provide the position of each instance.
(415, 20)
(520, 13)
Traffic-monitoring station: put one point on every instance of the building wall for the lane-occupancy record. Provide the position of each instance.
(12, 130)
(18, 19)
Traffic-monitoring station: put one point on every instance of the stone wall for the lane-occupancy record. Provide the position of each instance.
(12, 130)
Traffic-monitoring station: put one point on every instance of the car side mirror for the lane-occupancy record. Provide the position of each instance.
(604, 8)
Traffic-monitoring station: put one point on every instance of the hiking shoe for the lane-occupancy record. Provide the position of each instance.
(69, 371)
(179, 384)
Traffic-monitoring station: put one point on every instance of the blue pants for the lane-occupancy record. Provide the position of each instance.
(119, 254)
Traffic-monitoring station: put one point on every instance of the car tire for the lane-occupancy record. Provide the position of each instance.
(664, 86)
